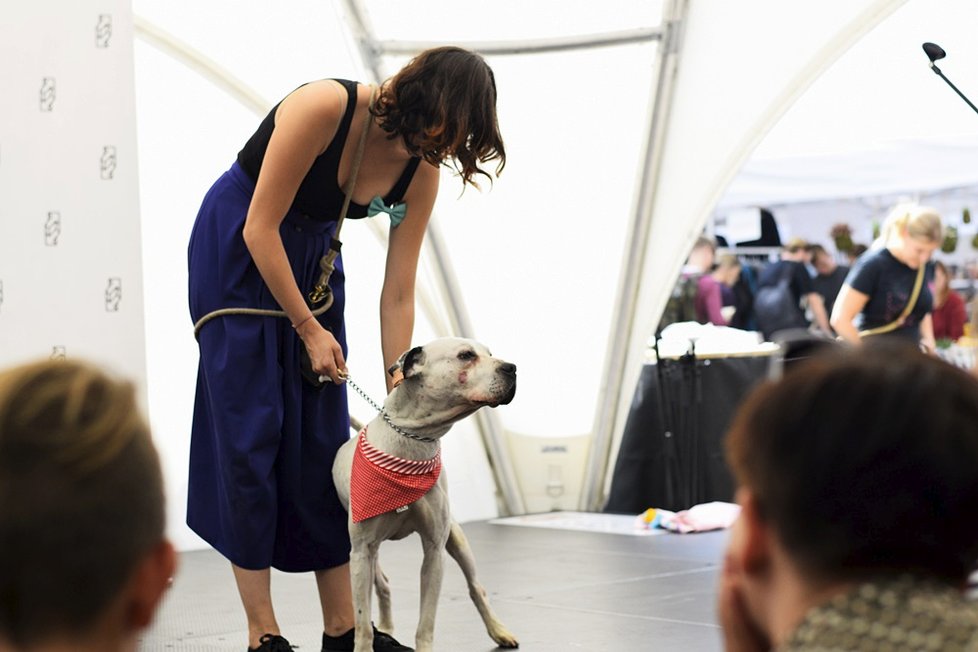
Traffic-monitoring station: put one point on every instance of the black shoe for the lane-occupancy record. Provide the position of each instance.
(383, 642)
(272, 643)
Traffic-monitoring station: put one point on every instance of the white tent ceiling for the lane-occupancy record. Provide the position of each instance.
(565, 263)
(920, 167)
(877, 126)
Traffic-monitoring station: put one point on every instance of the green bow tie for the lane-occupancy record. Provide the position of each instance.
(397, 211)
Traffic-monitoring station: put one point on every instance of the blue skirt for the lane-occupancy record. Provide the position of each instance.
(263, 440)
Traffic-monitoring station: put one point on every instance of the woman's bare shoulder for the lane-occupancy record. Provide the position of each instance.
(316, 107)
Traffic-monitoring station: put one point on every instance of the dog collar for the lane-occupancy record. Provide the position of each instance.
(398, 377)
(381, 482)
(383, 413)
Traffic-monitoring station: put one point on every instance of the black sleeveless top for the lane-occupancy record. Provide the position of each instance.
(319, 195)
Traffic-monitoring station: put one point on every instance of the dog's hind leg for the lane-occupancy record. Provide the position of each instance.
(458, 548)
(383, 588)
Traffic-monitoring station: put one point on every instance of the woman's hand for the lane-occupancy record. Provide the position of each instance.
(927, 340)
(325, 352)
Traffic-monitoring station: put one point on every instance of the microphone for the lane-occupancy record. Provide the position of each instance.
(935, 52)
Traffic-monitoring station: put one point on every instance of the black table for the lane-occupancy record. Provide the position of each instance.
(671, 453)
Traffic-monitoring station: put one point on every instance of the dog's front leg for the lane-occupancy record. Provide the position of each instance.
(385, 621)
(363, 559)
(432, 569)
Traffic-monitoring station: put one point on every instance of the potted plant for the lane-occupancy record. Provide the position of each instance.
(842, 236)
(950, 240)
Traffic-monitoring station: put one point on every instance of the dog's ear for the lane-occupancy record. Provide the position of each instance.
(410, 363)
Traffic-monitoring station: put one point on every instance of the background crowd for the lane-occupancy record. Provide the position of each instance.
(893, 287)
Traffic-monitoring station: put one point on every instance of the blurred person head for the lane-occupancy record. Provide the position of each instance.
(856, 251)
(83, 557)
(727, 270)
(703, 254)
(796, 250)
(911, 233)
(857, 464)
(823, 262)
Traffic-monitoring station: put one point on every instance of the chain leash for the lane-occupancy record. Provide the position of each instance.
(383, 413)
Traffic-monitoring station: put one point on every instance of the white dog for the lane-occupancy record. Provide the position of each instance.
(397, 489)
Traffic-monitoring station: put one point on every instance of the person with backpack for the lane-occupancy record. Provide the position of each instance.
(780, 290)
(688, 302)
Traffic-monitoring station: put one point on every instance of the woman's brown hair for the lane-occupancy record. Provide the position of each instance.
(443, 105)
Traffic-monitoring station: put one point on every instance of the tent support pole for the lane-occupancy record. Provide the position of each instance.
(487, 423)
(667, 60)
(532, 46)
(197, 61)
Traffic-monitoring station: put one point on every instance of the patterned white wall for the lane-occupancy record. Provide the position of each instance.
(70, 252)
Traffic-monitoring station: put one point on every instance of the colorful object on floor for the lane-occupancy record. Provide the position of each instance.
(699, 518)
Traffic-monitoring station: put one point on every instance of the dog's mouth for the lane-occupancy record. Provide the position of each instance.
(506, 399)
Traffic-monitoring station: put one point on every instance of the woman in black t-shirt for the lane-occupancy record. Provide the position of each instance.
(880, 285)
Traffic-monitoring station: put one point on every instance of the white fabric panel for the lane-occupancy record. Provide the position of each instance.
(538, 254)
(909, 167)
(741, 66)
(451, 21)
(70, 267)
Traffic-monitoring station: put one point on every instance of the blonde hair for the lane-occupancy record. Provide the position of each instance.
(728, 261)
(81, 497)
(920, 223)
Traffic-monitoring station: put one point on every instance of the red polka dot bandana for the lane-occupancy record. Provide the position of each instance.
(381, 483)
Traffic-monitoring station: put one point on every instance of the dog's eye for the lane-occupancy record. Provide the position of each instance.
(466, 355)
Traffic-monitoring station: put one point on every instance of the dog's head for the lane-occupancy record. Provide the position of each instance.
(458, 373)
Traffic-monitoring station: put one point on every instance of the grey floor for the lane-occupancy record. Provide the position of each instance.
(555, 589)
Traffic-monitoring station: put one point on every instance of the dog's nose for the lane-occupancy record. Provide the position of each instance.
(508, 368)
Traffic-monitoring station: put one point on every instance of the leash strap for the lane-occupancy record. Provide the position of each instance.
(321, 291)
(896, 323)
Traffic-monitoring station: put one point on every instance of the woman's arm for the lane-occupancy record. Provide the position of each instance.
(817, 304)
(927, 334)
(848, 304)
(403, 250)
(304, 125)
